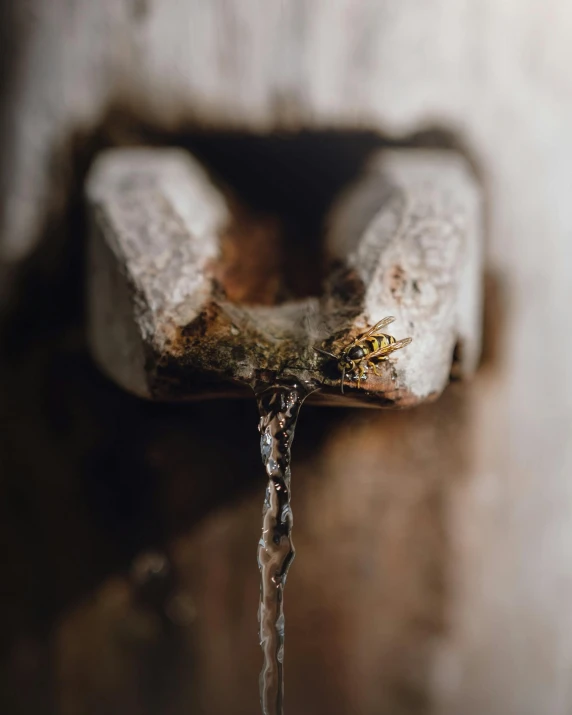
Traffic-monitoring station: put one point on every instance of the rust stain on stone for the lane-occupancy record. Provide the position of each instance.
(396, 281)
(249, 269)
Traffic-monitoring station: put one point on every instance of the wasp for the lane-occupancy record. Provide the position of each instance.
(365, 352)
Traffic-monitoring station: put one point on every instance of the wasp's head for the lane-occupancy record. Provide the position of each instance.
(345, 364)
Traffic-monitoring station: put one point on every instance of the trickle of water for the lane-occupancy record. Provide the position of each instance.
(278, 407)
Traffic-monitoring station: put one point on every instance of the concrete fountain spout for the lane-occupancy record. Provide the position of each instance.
(404, 239)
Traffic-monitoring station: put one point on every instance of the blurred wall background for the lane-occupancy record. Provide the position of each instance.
(447, 585)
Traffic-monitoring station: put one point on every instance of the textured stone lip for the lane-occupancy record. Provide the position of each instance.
(404, 239)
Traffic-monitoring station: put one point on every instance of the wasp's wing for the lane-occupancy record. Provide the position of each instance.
(378, 326)
(382, 352)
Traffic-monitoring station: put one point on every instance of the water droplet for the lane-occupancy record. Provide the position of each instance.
(149, 565)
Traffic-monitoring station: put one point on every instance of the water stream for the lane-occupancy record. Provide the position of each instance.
(279, 406)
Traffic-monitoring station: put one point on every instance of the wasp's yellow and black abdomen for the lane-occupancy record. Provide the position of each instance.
(377, 342)
(367, 346)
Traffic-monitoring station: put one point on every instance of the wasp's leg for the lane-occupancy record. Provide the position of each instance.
(374, 366)
(362, 375)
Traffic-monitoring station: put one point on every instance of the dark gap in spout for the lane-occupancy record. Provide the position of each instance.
(280, 189)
